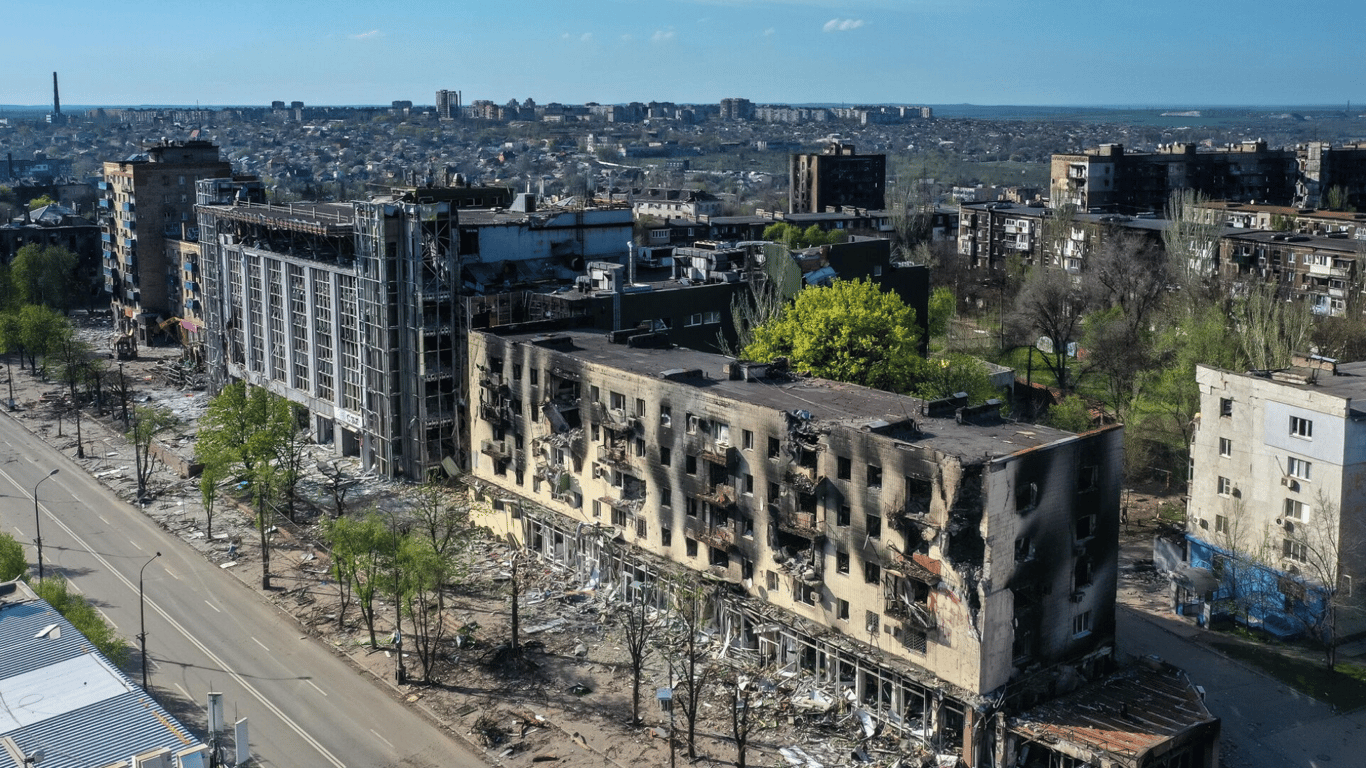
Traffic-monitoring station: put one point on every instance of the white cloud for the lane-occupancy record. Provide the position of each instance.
(366, 35)
(770, 32)
(662, 35)
(586, 37)
(841, 25)
(626, 38)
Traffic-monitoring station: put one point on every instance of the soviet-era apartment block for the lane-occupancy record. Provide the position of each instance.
(1324, 271)
(1110, 179)
(1288, 219)
(945, 565)
(837, 177)
(991, 234)
(1276, 509)
(346, 309)
(146, 200)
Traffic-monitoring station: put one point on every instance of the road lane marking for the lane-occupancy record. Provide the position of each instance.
(182, 690)
(168, 570)
(319, 690)
(211, 605)
(106, 522)
(16, 530)
(210, 655)
(381, 738)
(258, 642)
(134, 543)
(106, 618)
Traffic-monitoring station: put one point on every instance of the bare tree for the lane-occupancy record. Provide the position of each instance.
(1270, 330)
(741, 717)
(638, 628)
(1051, 304)
(691, 647)
(1316, 592)
(1191, 241)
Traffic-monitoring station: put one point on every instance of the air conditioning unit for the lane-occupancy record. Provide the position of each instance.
(1290, 482)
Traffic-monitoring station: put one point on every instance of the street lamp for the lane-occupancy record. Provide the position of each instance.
(38, 523)
(142, 619)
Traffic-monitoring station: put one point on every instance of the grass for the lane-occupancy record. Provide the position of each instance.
(1344, 687)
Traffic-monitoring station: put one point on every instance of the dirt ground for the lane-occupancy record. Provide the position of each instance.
(569, 703)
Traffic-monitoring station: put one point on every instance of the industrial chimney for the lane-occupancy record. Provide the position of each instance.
(56, 97)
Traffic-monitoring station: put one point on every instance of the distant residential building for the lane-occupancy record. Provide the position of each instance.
(57, 225)
(147, 201)
(837, 177)
(737, 109)
(990, 234)
(1327, 272)
(448, 105)
(666, 203)
(1111, 179)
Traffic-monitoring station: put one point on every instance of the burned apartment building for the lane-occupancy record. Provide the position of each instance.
(1111, 179)
(943, 568)
(836, 177)
(991, 235)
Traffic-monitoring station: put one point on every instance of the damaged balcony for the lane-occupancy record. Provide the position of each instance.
(800, 518)
(614, 455)
(908, 598)
(720, 494)
(720, 537)
(495, 412)
(498, 449)
(803, 479)
(718, 454)
(614, 419)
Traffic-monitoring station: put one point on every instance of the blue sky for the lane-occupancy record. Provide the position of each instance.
(1053, 52)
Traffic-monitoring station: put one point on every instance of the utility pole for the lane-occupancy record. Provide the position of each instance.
(142, 619)
(37, 523)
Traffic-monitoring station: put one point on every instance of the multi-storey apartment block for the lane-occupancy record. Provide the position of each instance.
(1110, 179)
(1325, 271)
(147, 201)
(991, 234)
(940, 563)
(837, 177)
(1276, 505)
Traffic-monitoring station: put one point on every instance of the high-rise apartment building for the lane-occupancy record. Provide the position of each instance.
(837, 177)
(145, 202)
(448, 104)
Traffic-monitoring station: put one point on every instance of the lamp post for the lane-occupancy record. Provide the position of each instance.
(123, 395)
(38, 523)
(9, 379)
(142, 619)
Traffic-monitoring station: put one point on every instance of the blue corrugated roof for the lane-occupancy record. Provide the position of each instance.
(100, 732)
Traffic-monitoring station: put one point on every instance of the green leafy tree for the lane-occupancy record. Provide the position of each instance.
(360, 549)
(45, 275)
(13, 561)
(849, 331)
(82, 615)
(41, 332)
(426, 572)
(241, 431)
(148, 422)
(950, 374)
(1071, 414)
(943, 307)
(40, 201)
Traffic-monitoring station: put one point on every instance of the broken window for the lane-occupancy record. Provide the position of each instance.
(842, 516)
(618, 517)
(665, 456)
(690, 547)
(641, 528)
(718, 557)
(871, 622)
(843, 610)
(841, 561)
(692, 422)
(595, 393)
(872, 525)
(748, 483)
(1086, 527)
(692, 507)
(748, 438)
(666, 497)
(1225, 406)
(666, 417)
(774, 447)
(872, 573)
(771, 581)
(1026, 496)
(516, 371)
(535, 376)
(1082, 573)
(844, 468)
(1088, 478)
(1024, 549)
(690, 465)
(640, 407)
(874, 477)
(666, 537)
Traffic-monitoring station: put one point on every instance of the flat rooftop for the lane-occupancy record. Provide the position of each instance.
(847, 404)
(1127, 713)
(1344, 245)
(317, 218)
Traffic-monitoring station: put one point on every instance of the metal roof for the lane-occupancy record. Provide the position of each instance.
(62, 697)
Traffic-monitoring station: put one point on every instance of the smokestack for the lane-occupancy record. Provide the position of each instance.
(56, 97)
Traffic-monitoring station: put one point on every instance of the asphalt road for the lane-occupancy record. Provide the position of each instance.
(206, 631)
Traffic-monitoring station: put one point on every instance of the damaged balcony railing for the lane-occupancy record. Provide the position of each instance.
(498, 449)
(720, 537)
(802, 522)
(719, 454)
(614, 418)
(720, 494)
